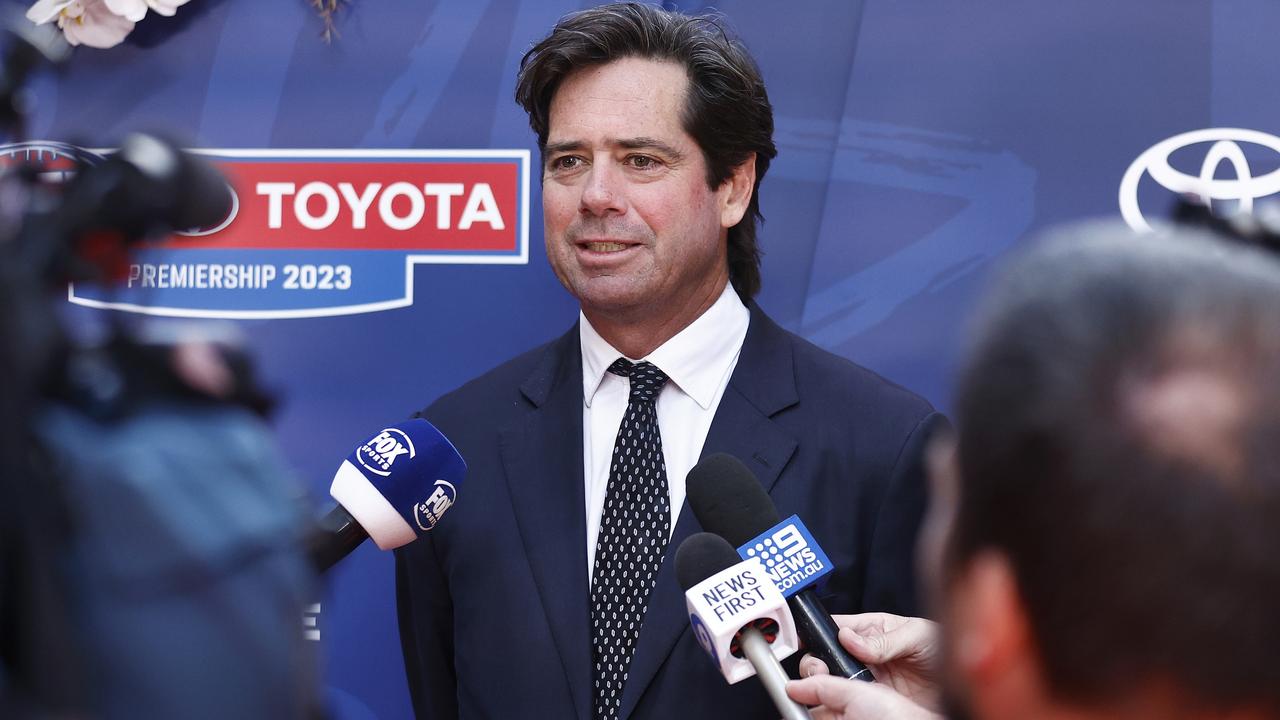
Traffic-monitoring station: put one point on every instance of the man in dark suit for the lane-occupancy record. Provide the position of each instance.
(550, 592)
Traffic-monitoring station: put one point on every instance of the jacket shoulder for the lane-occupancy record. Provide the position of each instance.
(839, 388)
(821, 371)
(495, 391)
(504, 390)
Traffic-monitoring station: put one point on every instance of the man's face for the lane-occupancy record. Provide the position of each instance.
(632, 229)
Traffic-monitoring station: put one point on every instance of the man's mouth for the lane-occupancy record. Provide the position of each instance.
(604, 246)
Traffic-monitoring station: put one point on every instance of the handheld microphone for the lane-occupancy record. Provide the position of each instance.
(392, 488)
(728, 501)
(737, 613)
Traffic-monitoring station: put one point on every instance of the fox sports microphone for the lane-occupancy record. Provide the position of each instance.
(728, 501)
(736, 611)
(393, 487)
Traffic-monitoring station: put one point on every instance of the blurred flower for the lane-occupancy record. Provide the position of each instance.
(98, 23)
(46, 10)
(135, 10)
(83, 22)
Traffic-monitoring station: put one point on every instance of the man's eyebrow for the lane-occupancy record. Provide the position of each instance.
(643, 143)
(635, 143)
(565, 146)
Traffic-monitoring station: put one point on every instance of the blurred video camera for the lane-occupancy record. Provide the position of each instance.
(143, 503)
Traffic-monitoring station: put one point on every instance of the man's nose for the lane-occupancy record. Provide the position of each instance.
(603, 193)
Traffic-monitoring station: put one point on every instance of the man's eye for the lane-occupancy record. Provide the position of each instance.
(643, 162)
(566, 162)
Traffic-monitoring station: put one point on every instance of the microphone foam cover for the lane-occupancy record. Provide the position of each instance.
(702, 555)
(728, 500)
(398, 483)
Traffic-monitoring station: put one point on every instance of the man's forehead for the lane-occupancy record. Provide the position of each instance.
(633, 74)
(619, 101)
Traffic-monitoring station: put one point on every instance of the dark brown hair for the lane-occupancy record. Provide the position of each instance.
(727, 111)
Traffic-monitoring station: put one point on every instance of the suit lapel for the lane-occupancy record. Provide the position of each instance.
(763, 383)
(542, 456)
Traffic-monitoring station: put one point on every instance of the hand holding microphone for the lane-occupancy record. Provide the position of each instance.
(739, 617)
(901, 651)
(393, 488)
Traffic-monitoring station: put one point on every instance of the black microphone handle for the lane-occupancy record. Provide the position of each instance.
(333, 538)
(819, 633)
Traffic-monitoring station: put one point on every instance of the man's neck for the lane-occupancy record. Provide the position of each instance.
(641, 332)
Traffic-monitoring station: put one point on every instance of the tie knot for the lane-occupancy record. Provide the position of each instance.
(646, 379)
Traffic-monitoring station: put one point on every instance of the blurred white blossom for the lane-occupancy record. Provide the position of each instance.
(46, 10)
(98, 23)
(135, 10)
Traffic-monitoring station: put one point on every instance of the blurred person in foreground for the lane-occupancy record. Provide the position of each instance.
(1103, 527)
(150, 555)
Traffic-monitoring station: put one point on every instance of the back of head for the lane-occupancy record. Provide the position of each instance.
(727, 110)
(1120, 444)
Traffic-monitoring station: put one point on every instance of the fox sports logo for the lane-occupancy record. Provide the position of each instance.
(1211, 147)
(427, 513)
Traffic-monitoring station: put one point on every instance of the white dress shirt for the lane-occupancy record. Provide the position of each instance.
(698, 362)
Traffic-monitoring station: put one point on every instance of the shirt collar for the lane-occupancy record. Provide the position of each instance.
(696, 359)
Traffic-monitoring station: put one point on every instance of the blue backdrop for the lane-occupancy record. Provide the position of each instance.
(918, 143)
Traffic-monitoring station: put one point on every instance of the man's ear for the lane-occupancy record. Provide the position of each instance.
(735, 192)
(993, 647)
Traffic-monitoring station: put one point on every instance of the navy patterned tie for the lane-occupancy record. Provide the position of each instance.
(634, 530)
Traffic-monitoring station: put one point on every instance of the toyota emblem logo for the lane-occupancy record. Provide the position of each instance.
(1221, 145)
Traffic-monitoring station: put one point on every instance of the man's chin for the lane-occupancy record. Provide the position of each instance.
(612, 296)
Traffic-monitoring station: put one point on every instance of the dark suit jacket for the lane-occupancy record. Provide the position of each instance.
(493, 604)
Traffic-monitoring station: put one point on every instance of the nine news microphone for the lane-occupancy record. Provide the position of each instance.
(736, 611)
(728, 501)
(392, 488)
